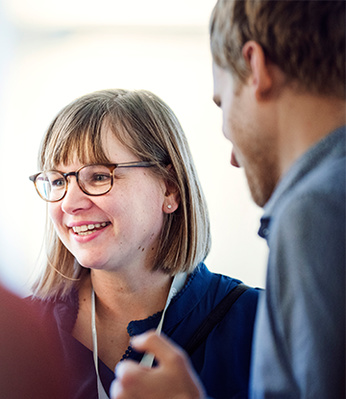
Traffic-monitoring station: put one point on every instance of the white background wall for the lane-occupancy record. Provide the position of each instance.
(53, 51)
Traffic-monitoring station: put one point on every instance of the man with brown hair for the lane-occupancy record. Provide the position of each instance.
(279, 79)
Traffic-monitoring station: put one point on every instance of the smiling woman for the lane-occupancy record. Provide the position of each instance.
(127, 236)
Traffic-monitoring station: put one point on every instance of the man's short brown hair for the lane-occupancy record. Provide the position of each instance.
(305, 39)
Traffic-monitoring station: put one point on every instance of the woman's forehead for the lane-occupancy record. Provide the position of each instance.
(114, 149)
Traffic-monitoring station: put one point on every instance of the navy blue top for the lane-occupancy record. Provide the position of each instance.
(299, 347)
(222, 361)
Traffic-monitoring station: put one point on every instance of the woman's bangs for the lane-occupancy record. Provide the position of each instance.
(81, 146)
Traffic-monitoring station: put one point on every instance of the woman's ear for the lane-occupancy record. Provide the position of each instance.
(260, 78)
(172, 196)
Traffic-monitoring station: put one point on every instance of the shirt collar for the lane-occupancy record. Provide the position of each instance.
(330, 147)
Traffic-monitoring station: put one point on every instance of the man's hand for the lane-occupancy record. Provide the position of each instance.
(173, 378)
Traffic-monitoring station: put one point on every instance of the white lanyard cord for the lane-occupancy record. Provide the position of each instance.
(177, 284)
(100, 390)
(148, 358)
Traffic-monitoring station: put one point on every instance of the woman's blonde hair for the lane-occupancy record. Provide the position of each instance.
(143, 123)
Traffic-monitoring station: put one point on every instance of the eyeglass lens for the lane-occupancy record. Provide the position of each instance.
(92, 179)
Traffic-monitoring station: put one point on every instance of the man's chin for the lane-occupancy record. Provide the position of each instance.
(260, 191)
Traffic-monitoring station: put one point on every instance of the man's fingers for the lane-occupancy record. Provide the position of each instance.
(164, 350)
(127, 370)
(174, 377)
(127, 373)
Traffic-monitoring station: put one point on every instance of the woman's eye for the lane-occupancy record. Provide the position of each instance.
(100, 177)
(58, 183)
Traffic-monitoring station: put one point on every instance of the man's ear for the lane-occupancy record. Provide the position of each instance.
(260, 79)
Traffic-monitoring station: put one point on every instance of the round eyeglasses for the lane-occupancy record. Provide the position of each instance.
(94, 180)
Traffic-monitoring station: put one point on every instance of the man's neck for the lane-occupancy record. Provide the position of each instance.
(304, 120)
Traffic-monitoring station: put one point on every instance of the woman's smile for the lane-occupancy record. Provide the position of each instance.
(89, 228)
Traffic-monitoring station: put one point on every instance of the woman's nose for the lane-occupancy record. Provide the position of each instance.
(74, 200)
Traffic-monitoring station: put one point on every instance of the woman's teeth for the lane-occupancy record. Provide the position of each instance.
(87, 229)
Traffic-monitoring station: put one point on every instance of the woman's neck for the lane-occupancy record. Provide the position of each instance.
(119, 300)
(141, 294)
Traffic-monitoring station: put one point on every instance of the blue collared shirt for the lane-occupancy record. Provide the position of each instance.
(299, 344)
